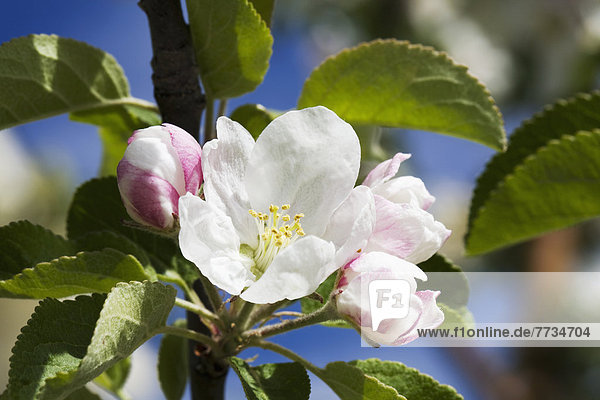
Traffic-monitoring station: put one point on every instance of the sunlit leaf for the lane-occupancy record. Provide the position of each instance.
(393, 83)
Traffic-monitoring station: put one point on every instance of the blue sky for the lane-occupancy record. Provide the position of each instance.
(119, 27)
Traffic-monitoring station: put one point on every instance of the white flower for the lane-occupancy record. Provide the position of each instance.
(403, 228)
(267, 229)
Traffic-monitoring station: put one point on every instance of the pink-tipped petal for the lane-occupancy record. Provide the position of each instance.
(189, 153)
(385, 170)
(407, 190)
(149, 199)
(406, 231)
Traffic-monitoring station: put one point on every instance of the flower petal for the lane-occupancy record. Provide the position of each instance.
(308, 159)
(405, 189)
(224, 164)
(149, 199)
(431, 316)
(151, 150)
(405, 231)
(351, 224)
(385, 170)
(188, 152)
(208, 239)
(295, 272)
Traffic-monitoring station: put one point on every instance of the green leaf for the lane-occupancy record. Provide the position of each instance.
(23, 245)
(265, 9)
(95, 241)
(46, 75)
(54, 340)
(460, 316)
(253, 117)
(67, 344)
(286, 381)
(553, 188)
(232, 44)
(409, 382)
(114, 378)
(566, 117)
(83, 394)
(115, 125)
(443, 273)
(173, 364)
(309, 305)
(393, 83)
(350, 383)
(85, 272)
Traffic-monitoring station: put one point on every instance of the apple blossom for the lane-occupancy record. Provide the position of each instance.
(352, 298)
(264, 228)
(161, 163)
(403, 227)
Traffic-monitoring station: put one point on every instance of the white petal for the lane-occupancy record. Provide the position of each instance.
(208, 239)
(307, 158)
(224, 162)
(405, 189)
(351, 224)
(405, 231)
(295, 272)
(385, 170)
(151, 150)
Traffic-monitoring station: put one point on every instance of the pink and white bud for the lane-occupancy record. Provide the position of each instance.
(353, 301)
(161, 164)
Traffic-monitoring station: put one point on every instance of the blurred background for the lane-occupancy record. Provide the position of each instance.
(527, 52)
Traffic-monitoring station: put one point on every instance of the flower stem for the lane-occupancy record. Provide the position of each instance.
(222, 107)
(209, 117)
(190, 334)
(289, 354)
(244, 315)
(211, 291)
(323, 314)
(196, 309)
(264, 311)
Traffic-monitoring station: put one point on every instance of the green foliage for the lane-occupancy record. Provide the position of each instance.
(83, 394)
(67, 344)
(86, 272)
(54, 340)
(265, 9)
(456, 316)
(393, 83)
(114, 378)
(232, 44)
(350, 383)
(253, 117)
(287, 381)
(97, 207)
(553, 188)
(530, 146)
(173, 364)
(451, 276)
(409, 382)
(115, 126)
(324, 290)
(23, 245)
(46, 75)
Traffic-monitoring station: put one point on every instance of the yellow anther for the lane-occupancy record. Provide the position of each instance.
(279, 243)
(285, 218)
(253, 213)
(273, 208)
(285, 207)
(288, 234)
(298, 216)
(274, 231)
(300, 232)
(264, 217)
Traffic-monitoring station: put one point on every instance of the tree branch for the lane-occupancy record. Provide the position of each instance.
(175, 75)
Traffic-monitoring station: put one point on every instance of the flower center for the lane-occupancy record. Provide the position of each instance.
(275, 232)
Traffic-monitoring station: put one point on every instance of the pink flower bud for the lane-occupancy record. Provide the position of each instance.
(353, 299)
(161, 164)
